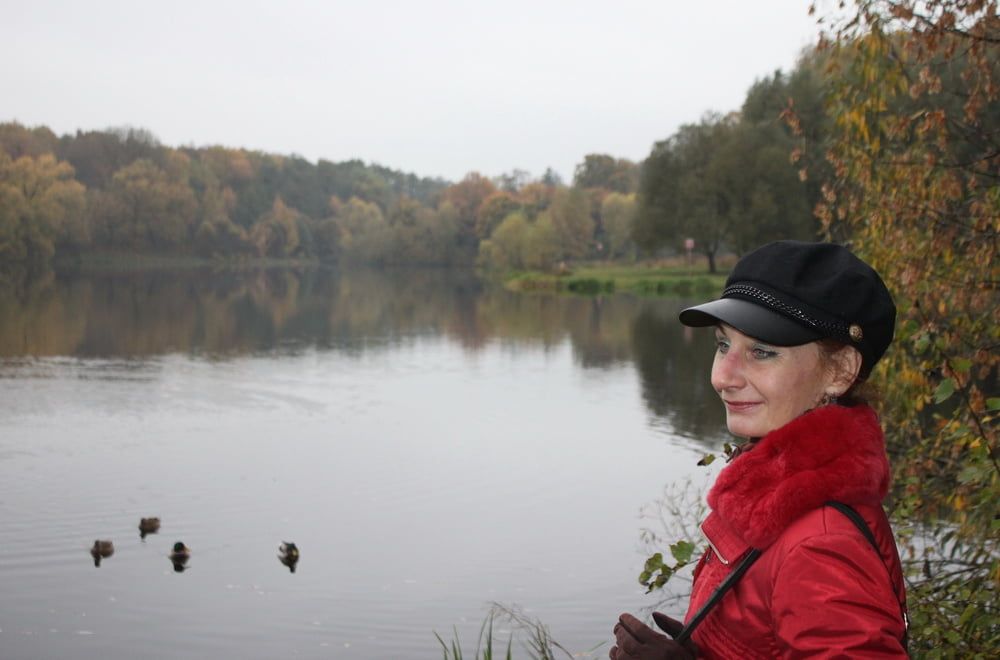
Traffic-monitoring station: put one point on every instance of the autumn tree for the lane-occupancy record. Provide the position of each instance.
(41, 205)
(278, 232)
(17, 140)
(145, 209)
(217, 235)
(493, 210)
(364, 233)
(505, 248)
(916, 165)
(569, 214)
(466, 196)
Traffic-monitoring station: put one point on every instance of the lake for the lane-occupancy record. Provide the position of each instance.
(431, 444)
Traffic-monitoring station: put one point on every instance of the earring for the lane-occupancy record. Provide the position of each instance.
(828, 398)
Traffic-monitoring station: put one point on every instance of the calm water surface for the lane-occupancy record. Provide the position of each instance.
(429, 445)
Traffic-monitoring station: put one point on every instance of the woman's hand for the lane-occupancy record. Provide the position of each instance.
(637, 641)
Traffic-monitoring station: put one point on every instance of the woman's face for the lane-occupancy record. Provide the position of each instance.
(762, 386)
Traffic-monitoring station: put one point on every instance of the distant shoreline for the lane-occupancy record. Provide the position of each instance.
(644, 279)
(669, 278)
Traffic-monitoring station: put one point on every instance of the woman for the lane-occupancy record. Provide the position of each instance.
(798, 328)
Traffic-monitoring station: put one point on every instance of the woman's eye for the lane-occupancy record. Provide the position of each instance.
(763, 353)
(721, 345)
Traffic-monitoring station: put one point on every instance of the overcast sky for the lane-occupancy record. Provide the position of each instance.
(435, 87)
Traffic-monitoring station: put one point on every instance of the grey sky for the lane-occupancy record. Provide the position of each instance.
(436, 87)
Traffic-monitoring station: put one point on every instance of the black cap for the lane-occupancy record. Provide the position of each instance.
(788, 293)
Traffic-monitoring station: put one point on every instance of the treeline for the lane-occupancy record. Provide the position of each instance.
(726, 182)
(120, 190)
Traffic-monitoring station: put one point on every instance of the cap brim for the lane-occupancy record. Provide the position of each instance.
(751, 319)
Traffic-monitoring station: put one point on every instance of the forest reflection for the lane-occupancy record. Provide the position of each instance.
(226, 313)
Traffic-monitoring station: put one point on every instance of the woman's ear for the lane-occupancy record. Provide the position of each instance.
(846, 366)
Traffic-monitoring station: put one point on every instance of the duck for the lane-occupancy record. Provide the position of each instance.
(101, 550)
(288, 553)
(180, 552)
(179, 556)
(148, 526)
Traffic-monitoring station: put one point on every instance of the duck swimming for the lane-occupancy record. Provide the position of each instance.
(101, 550)
(179, 556)
(289, 555)
(148, 526)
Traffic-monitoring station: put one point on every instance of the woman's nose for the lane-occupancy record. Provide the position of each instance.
(727, 371)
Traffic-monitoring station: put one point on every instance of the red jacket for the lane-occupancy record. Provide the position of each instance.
(818, 590)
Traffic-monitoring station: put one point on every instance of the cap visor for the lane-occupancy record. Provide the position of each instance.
(751, 319)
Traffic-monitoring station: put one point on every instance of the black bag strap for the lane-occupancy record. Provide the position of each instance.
(858, 521)
(717, 595)
(754, 554)
(866, 531)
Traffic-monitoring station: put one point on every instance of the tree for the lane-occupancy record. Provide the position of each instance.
(542, 249)
(40, 206)
(506, 248)
(98, 155)
(764, 196)
(147, 209)
(724, 182)
(603, 171)
(493, 210)
(466, 197)
(17, 140)
(679, 195)
(916, 160)
(801, 95)
(364, 233)
(277, 233)
(570, 217)
(551, 179)
(618, 217)
(513, 181)
(218, 235)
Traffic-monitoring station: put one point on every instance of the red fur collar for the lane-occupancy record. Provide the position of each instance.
(830, 453)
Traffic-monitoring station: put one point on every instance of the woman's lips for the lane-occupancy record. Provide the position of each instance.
(740, 406)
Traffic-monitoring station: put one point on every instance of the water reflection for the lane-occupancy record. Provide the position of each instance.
(219, 314)
(673, 362)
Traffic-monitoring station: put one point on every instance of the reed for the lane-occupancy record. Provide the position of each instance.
(533, 635)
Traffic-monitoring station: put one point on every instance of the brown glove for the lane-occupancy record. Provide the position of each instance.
(637, 641)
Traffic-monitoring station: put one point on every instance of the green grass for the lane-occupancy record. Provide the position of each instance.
(638, 279)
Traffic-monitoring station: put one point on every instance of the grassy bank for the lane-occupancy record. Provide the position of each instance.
(644, 279)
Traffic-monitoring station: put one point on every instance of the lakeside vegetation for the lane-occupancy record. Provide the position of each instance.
(654, 278)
